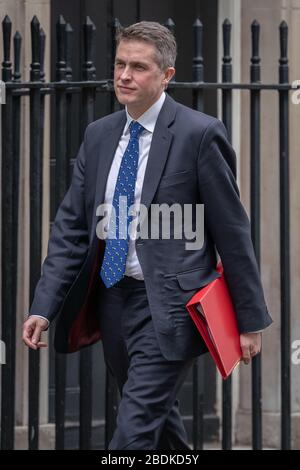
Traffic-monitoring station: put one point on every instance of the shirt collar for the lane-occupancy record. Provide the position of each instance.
(148, 118)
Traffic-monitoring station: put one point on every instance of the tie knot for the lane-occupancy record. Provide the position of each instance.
(135, 129)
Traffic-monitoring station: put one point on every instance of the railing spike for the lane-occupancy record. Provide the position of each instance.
(17, 56)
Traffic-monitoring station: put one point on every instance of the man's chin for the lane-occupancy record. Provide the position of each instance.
(125, 100)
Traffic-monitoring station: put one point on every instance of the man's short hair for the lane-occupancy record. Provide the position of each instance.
(153, 33)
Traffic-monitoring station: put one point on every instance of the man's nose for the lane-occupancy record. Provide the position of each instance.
(126, 74)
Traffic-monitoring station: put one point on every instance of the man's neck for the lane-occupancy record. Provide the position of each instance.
(136, 112)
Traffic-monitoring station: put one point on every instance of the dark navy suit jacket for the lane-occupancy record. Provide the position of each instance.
(190, 162)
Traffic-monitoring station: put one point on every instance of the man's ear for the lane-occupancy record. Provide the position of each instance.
(169, 74)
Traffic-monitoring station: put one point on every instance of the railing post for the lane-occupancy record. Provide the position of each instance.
(85, 366)
(227, 119)
(111, 389)
(284, 242)
(36, 198)
(199, 364)
(9, 256)
(60, 187)
(16, 133)
(255, 196)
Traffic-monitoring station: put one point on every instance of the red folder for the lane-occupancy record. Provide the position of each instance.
(212, 311)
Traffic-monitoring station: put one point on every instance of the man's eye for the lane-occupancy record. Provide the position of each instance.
(140, 67)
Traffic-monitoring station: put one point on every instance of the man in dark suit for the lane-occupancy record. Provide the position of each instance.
(132, 291)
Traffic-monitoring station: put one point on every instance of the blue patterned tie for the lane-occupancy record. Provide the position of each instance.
(116, 249)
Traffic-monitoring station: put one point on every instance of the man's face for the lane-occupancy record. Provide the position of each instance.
(138, 80)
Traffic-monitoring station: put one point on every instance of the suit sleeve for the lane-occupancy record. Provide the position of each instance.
(67, 247)
(228, 224)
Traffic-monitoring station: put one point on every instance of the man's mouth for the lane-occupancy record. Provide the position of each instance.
(125, 89)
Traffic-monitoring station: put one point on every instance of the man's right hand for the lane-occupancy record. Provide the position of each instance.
(32, 330)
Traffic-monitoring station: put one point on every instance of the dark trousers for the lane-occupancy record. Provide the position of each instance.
(148, 415)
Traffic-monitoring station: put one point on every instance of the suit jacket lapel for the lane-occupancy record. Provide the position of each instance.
(159, 151)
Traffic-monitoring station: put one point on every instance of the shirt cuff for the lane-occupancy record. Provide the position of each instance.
(258, 331)
(41, 316)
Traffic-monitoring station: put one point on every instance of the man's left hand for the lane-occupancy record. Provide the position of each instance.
(250, 345)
